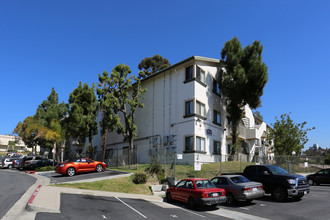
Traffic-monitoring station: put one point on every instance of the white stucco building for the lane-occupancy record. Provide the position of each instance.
(184, 110)
(5, 143)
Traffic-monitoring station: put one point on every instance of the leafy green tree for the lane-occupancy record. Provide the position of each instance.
(288, 136)
(49, 121)
(108, 121)
(124, 98)
(150, 65)
(28, 130)
(242, 79)
(82, 114)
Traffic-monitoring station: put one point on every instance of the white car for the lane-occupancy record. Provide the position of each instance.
(7, 163)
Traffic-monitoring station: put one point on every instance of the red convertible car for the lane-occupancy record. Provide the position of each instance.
(80, 165)
(196, 192)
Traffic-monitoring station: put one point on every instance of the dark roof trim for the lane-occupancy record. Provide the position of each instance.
(197, 58)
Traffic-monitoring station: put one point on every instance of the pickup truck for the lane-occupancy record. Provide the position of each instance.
(278, 181)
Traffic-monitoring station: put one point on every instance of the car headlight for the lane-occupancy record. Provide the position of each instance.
(62, 165)
(292, 181)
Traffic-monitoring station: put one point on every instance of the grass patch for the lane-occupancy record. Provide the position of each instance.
(124, 185)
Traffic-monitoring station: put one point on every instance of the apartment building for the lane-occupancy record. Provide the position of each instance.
(185, 112)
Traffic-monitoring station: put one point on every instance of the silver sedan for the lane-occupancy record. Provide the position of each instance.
(238, 187)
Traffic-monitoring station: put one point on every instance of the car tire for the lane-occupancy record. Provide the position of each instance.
(280, 194)
(99, 168)
(230, 199)
(70, 171)
(10, 166)
(310, 182)
(191, 203)
(169, 197)
(248, 201)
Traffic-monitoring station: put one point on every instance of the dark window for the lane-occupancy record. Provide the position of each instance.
(189, 108)
(200, 74)
(189, 143)
(189, 184)
(239, 179)
(223, 181)
(181, 184)
(216, 117)
(216, 87)
(189, 72)
(216, 147)
(228, 149)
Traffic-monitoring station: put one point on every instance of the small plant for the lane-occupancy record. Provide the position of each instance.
(154, 168)
(43, 169)
(140, 178)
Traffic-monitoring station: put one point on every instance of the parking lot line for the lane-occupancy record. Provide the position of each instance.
(131, 207)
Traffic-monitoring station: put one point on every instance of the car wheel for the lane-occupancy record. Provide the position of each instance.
(279, 194)
(99, 168)
(249, 201)
(310, 182)
(168, 197)
(10, 166)
(230, 199)
(191, 203)
(299, 196)
(71, 171)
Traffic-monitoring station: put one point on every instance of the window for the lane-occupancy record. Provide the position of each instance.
(216, 117)
(189, 143)
(189, 108)
(200, 144)
(200, 74)
(181, 184)
(228, 149)
(200, 109)
(189, 73)
(216, 87)
(216, 147)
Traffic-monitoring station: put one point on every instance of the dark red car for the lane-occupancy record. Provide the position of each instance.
(80, 165)
(196, 192)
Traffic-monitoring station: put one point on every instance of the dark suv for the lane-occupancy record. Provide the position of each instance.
(278, 181)
(28, 162)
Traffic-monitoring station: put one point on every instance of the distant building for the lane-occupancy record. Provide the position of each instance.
(5, 143)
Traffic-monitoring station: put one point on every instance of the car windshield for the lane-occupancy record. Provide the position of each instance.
(277, 170)
(239, 179)
(204, 184)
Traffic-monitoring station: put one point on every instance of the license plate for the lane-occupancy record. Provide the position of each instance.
(215, 194)
(254, 189)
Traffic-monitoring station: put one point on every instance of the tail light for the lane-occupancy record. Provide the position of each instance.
(247, 189)
(205, 195)
(260, 187)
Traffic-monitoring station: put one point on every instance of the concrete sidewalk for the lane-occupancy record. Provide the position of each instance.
(43, 197)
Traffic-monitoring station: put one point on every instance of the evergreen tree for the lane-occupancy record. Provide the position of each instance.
(242, 78)
(82, 114)
(150, 65)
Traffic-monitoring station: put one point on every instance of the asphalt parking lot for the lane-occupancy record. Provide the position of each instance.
(59, 178)
(312, 206)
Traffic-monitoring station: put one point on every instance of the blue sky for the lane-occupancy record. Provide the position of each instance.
(45, 44)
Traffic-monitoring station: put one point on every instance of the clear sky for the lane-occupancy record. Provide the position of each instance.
(45, 44)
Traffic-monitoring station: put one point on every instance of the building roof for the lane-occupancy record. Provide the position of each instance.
(197, 58)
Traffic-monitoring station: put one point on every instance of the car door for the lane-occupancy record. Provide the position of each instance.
(178, 191)
(91, 165)
(83, 165)
(263, 174)
(188, 191)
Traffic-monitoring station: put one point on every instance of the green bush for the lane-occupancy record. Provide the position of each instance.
(154, 168)
(140, 178)
(43, 169)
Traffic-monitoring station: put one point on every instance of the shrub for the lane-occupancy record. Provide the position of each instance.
(154, 168)
(43, 169)
(140, 178)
